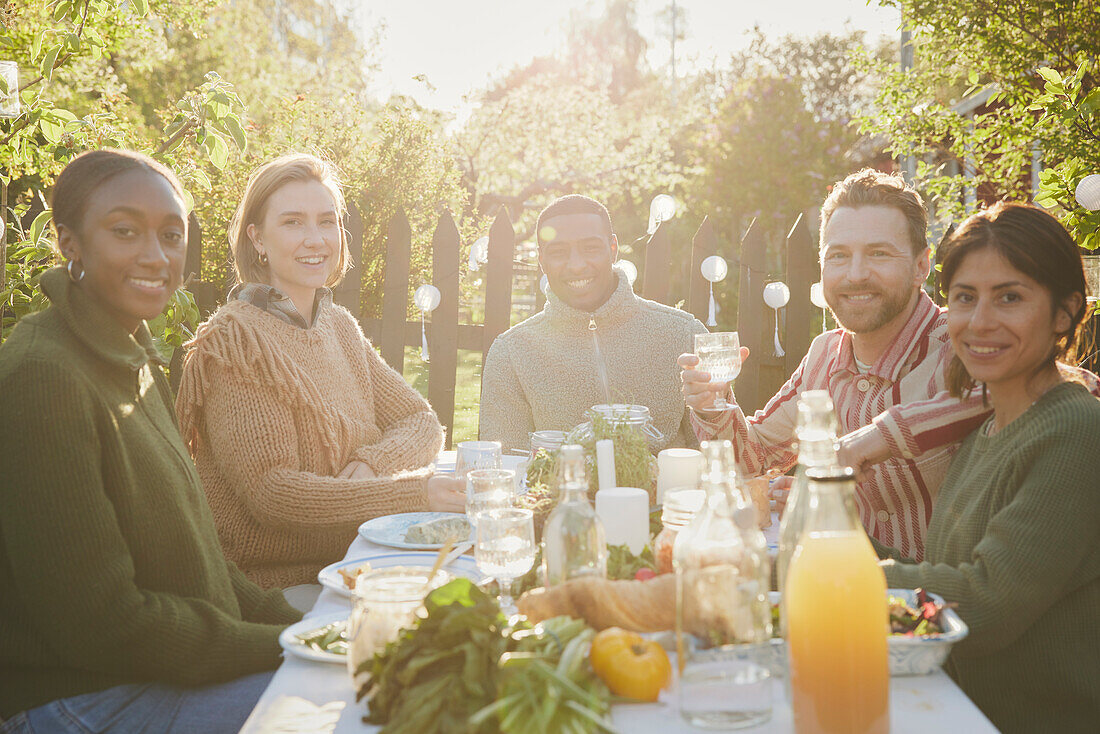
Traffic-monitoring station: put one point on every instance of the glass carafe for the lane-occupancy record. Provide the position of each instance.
(816, 433)
(723, 619)
(573, 541)
(837, 617)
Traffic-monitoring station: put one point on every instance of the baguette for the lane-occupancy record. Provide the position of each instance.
(711, 603)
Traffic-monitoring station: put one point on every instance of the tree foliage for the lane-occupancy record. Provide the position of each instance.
(1037, 62)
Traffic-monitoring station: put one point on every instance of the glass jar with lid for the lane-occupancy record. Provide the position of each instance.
(551, 441)
(386, 601)
(679, 510)
(620, 414)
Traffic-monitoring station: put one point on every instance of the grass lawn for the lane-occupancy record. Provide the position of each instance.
(467, 388)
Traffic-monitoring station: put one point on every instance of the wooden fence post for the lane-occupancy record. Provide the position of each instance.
(703, 245)
(346, 293)
(802, 271)
(443, 342)
(658, 253)
(498, 279)
(750, 316)
(395, 292)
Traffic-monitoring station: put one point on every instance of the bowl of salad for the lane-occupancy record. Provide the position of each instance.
(922, 630)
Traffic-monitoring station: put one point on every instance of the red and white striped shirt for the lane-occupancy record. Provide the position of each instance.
(904, 394)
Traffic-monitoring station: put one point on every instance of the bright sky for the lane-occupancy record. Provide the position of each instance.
(460, 45)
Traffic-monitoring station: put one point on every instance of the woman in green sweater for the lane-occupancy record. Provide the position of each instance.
(118, 611)
(1013, 539)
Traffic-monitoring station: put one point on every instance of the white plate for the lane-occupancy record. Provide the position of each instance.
(390, 529)
(330, 577)
(290, 642)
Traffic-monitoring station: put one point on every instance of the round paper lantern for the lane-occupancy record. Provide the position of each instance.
(714, 268)
(817, 295)
(426, 297)
(1088, 192)
(661, 209)
(628, 267)
(479, 253)
(777, 294)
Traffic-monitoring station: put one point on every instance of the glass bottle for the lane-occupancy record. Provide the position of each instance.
(723, 619)
(680, 508)
(816, 432)
(573, 541)
(837, 616)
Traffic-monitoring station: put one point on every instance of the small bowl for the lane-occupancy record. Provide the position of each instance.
(908, 655)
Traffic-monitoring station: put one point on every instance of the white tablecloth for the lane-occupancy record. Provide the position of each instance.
(308, 696)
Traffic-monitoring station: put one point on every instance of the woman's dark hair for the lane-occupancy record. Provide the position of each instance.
(88, 171)
(1033, 242)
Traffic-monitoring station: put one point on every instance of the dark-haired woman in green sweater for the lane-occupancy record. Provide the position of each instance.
(118, 611)
(1014, 537)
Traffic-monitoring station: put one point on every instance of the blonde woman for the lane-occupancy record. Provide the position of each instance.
(299, 430)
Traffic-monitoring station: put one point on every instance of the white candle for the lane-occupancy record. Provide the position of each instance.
(678, 468)
(624, 512)
(605, 463)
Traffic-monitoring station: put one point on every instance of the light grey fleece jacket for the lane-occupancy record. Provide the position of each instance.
(545, 372)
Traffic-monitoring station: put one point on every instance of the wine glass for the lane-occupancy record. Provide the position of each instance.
(477, 455)
(719, 355)
(488, 489)
(505, 549)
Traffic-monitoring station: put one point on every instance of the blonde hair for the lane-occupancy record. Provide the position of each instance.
(265, 181)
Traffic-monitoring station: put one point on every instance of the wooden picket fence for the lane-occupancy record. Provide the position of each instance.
(760, 377)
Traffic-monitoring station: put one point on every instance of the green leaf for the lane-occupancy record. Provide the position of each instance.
(49, 60)
(141, 7)
(218, 150)
(972, 77)
(201, 178)
(38, 226)
(233, 124)
(36, 44)
(61, 10)
(1091, 103)
(1051, 75)
(50, 129)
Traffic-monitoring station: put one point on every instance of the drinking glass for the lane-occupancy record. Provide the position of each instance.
(477, 455)
(488, 489)
(505, 549)
(719, 354)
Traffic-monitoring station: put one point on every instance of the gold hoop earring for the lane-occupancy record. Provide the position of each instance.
(74, 278)
(263, 258)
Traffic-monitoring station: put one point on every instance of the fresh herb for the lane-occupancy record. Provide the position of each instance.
(331, 638)
(635, 466)
(462, 668)
(444, 669)
(622, 564)
(546, 684)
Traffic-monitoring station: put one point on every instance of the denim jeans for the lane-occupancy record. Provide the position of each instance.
(147, 708)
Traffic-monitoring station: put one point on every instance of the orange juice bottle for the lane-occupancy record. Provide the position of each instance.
(837, 618)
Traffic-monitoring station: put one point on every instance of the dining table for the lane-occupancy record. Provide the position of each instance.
(311, 696)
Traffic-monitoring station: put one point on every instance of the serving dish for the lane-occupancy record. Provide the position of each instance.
(908, 655)
(390, 530)
(330, 577)
(290, 642)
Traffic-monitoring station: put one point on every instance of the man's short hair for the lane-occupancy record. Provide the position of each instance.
(875, 188)
(573, 204)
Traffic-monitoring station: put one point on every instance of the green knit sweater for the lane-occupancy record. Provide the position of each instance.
(110, 566)
(1014, 539)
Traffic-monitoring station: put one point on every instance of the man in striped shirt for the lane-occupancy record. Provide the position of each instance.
(884, 367)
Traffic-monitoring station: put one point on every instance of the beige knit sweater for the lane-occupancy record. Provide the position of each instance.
(272, 413)
(545, 372)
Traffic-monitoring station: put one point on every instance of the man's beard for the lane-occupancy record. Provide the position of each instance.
(882, 309)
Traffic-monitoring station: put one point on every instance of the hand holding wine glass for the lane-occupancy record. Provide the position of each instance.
(719, 356)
